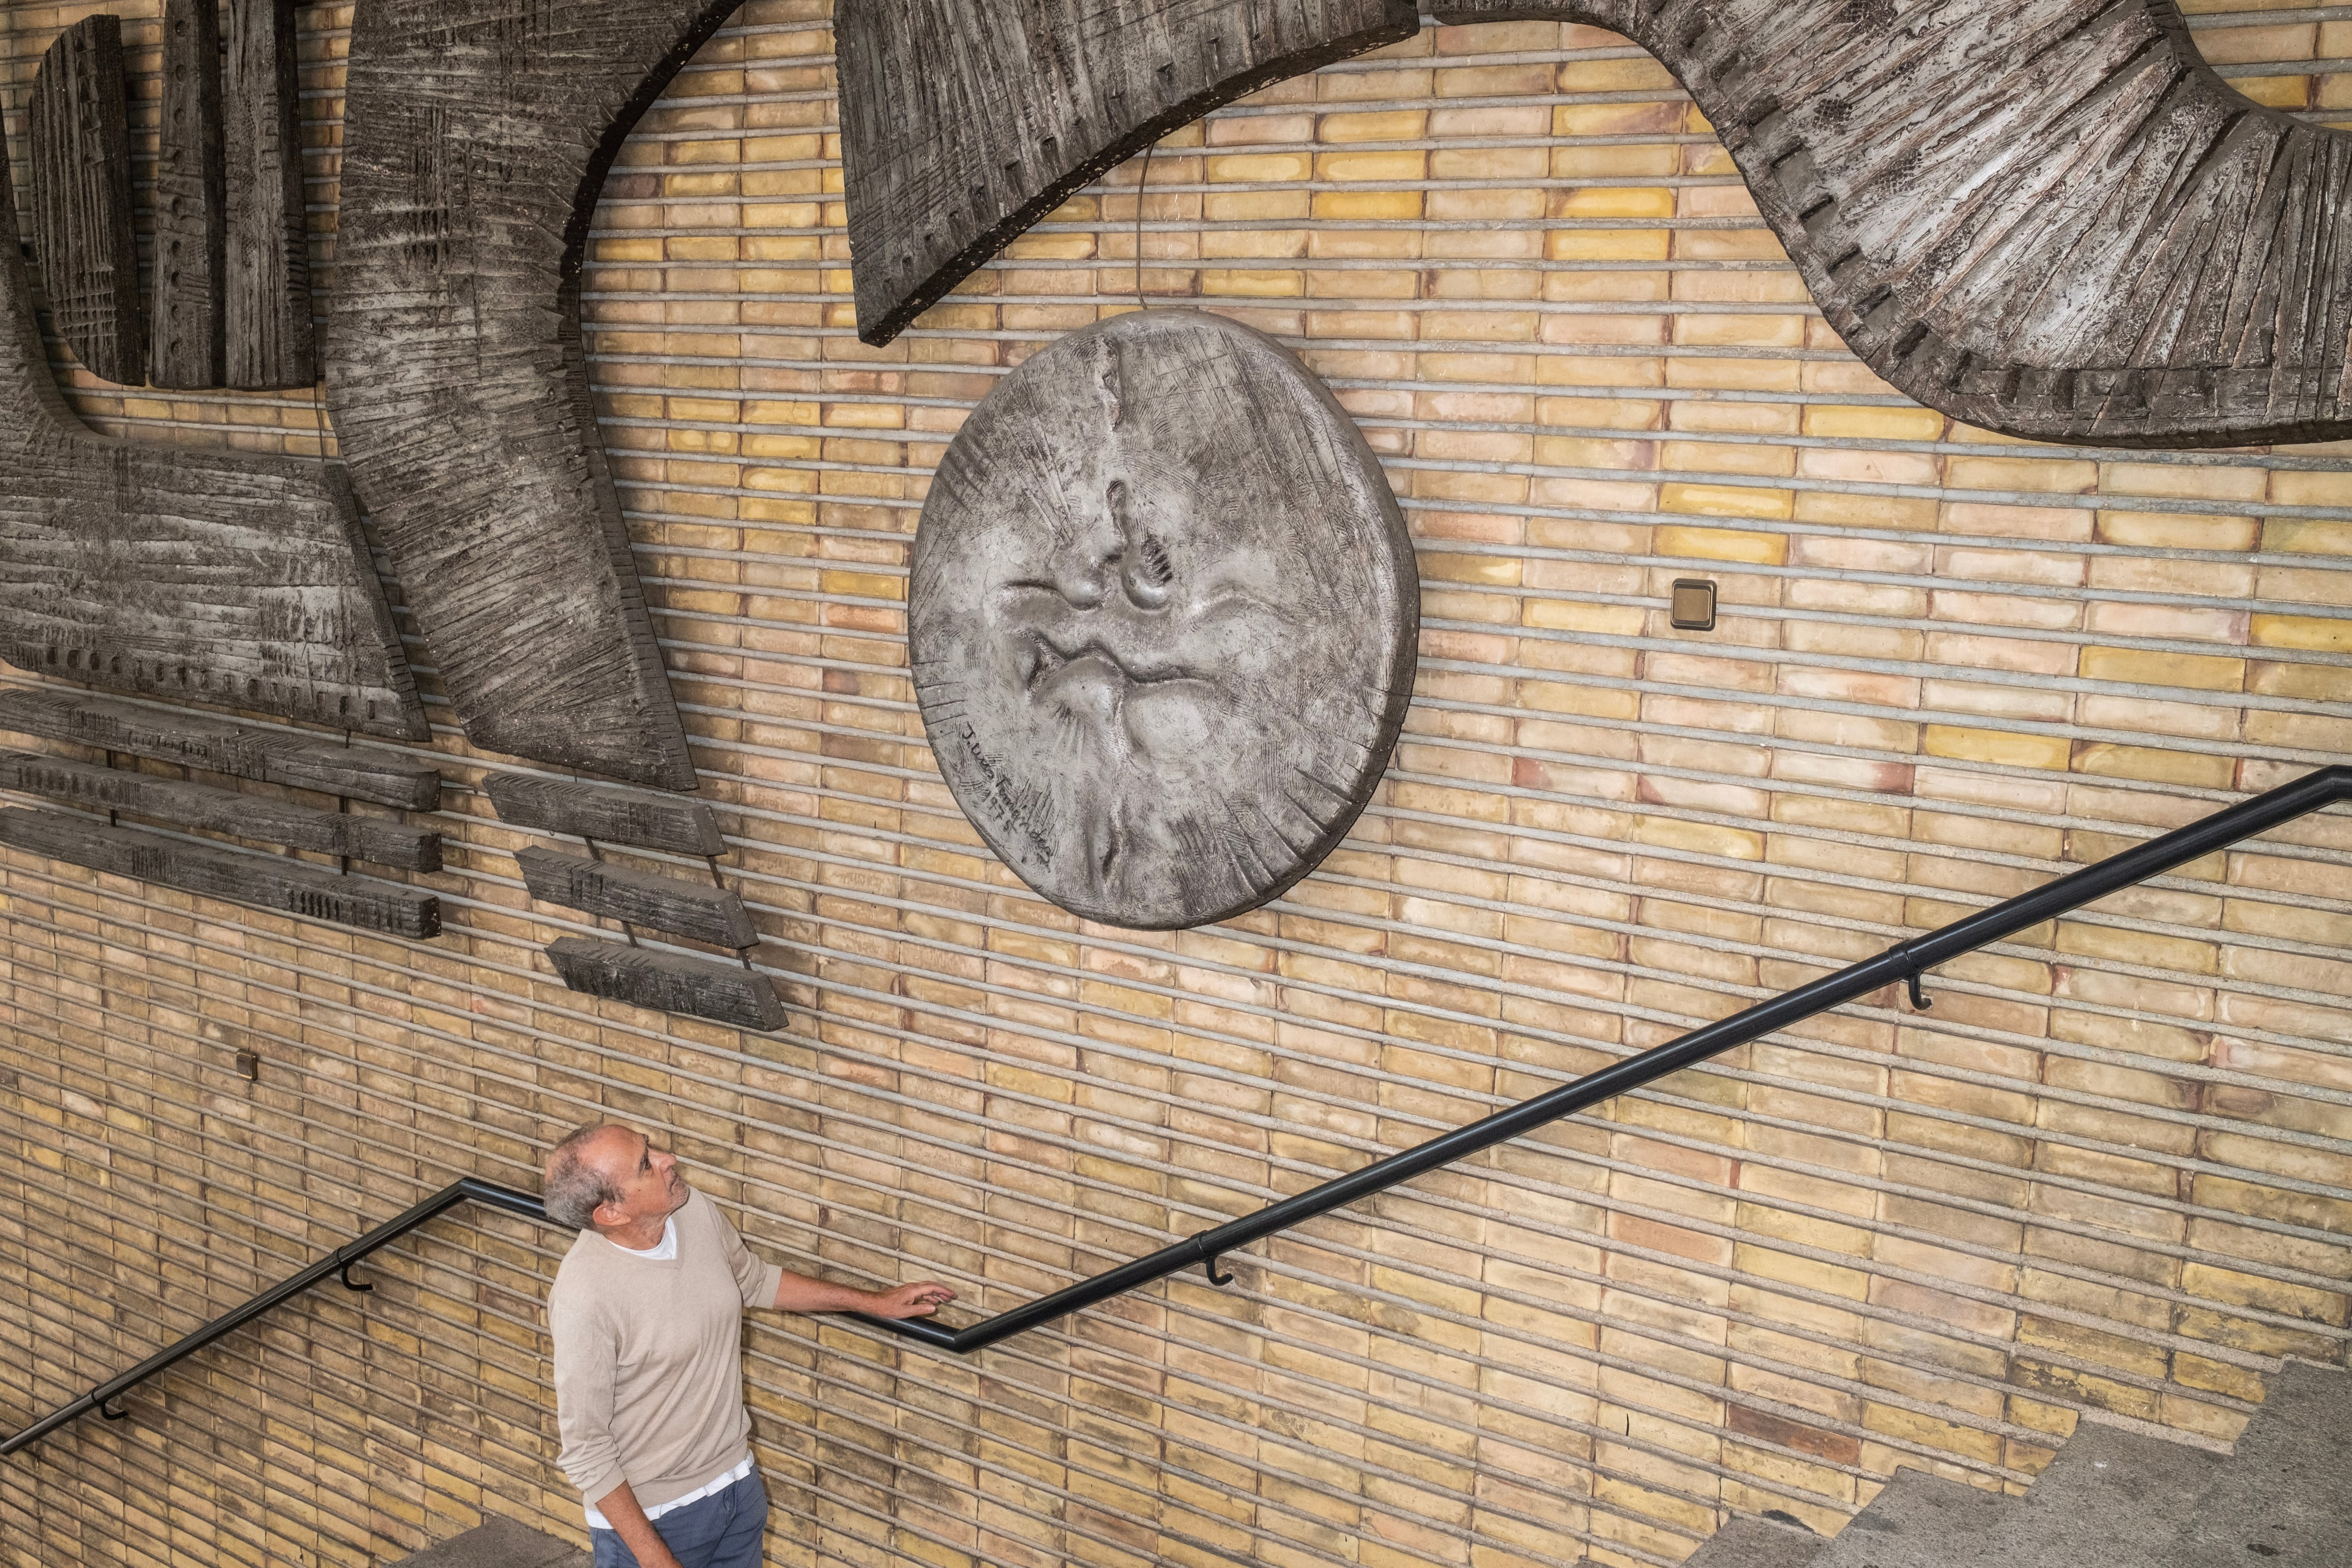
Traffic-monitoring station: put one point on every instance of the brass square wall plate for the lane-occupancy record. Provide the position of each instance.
(1693, 605)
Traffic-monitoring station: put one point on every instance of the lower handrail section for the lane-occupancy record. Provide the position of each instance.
(338, 1262)
(1904, 964)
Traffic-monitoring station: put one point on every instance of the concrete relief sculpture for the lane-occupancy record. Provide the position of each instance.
(213, 870)
(2044, 218)
(1162, 618)
(185, 338)
(964, 122)
(715, 915)
(213, 576)
(476, 143)
(267, 282)
(477, 138)
(81, 200)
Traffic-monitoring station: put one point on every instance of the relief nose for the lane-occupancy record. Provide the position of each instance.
(1095, 558)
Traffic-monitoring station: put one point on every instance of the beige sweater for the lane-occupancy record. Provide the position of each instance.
(649, 1358)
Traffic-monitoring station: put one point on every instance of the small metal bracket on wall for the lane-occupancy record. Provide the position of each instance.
(349, 1283)
(122, 1414)
(1209, 1267)
(1918, 996)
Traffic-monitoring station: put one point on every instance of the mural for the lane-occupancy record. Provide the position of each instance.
(1162, 603)
(266, 302)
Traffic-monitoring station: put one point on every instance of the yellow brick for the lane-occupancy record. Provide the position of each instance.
(1615, 202)
(1615, 76)
(1372, 166)
(2237, 1288)
(2311, 633)
(1609, 620)
(1391, 125)
(2022, 474)
(1723, 544)
(2201, 769)
(2305, 535)
(2004, 746)
(1368, 206)
(2173, 530)
(2184, 481)
(1733, 843)
(1723, 500)
(1874, 424)
(1252, 283)
(1609, 245)
(1493, 569)
(1740, 330)
(2197, 672)
(1255, 168)
(864, 584)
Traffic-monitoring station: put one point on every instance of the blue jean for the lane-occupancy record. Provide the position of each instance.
(721, 1531)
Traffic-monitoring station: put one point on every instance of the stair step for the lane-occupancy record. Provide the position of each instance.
(2285, 1501)
(1915, 1524)
(500, 1543)
(1749, 1541)
(2111, 1497)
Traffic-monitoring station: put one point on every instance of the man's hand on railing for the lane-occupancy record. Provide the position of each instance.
(798, 1293)
(917, 1300)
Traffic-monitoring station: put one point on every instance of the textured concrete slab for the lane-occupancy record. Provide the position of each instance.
(2286, 1499)
(1749, 1541)
(500, 1543)
(1913, 1523)
(2111, 1497)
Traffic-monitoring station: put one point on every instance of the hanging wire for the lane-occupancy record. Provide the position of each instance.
(1142, 180)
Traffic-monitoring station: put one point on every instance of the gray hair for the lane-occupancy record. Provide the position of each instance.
(574, 1188)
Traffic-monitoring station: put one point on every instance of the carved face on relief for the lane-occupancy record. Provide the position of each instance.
(1162, 614)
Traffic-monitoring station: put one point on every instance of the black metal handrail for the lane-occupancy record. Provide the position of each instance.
(338, 1261)
(1906, 962)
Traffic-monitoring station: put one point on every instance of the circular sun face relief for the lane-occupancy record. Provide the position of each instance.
(1163, 618)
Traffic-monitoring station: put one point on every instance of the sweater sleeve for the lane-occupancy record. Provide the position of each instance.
(587, 1359)
(756, 1279)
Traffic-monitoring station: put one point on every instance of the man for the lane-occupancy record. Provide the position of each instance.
(647, 1315)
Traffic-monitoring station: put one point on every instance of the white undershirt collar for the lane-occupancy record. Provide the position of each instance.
(663, 1251)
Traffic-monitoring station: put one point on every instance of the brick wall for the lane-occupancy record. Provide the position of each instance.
(2108, 1178)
